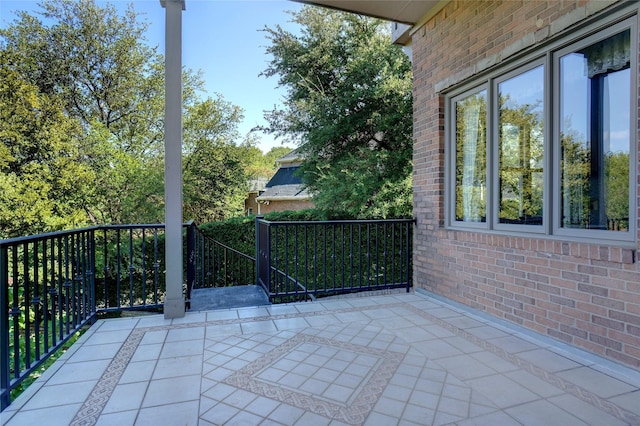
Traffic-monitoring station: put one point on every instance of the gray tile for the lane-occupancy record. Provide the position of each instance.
(494, 361)
(629, 401)
(179, 413)
(173, 390)
(156, 336)
(147, 352)
(183, 348)
(464, 322)
(436, 349)
(190, 333)
(502, 391)
(586, 412)
(59, 395)
(178, 366)
(79, 372)
(262, 406)
(548, 360)
(220, 414)
(115, 336)
(419, 414)
(463, 344)
(126, 397)
(290, 323)
(258, 327)
(596, 382)
(95, 352)
(222, 315)
(543, 413)
(487, 332)
(55, 416)
(252, 312)
(138, 372)
(512, 344)
(118, 324)
(190, 318)
(286, 414)
(465, 367)
(120, 418)
(491, 419)
(534, 383)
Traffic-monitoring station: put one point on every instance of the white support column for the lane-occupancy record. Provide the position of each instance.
(174, 303)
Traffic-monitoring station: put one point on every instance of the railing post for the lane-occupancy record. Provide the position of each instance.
(5, 392)
(409, 251)
(258, 249)
(191, 259)
(92, 273)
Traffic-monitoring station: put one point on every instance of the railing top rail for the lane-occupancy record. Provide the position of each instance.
(334, 222)
(231, 249)
(48, 235)
(44, 236)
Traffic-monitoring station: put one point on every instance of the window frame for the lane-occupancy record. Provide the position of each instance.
(452, 157)
(495, 148)
(549, 57)
(599, 234)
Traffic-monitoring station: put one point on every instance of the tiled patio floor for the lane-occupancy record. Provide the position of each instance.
(378, 360)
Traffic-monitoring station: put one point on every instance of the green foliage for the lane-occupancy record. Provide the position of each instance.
(616, 182)
(258, 164)
(238, 233)
(43, 182)
(84, 94)
(349, 106)
(215, 182)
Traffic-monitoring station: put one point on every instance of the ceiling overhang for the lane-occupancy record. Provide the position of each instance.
(402, 11)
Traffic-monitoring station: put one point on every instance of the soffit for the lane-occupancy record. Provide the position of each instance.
(403, 11)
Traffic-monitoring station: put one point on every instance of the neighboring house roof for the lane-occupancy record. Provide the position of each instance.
(286, 184)
(285, 176)
(257, 185)
(284, 193)
(291, 157)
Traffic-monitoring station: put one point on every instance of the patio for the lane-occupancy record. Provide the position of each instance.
(395, 358)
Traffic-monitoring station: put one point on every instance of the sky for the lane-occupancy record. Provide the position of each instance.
(223, 39)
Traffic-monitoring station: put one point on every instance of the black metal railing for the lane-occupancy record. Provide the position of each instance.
(47, 293)
(302, 260)
(52, 285)
(218, 265)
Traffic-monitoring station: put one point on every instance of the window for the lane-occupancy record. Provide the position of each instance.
(595, 134)
(520, 118)
(471, 157)
(553, 137)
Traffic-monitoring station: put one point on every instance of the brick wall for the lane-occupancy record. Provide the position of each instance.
(280, 206)
(584, 293)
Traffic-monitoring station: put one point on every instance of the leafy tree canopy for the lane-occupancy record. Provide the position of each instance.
(43, 183)
(349, 106)
(92, 98)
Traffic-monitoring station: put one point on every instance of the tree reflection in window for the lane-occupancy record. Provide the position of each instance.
(521, 148)
(595, 135)
(471, 157)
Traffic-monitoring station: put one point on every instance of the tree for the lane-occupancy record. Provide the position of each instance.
(349, 106)
(43, 183)
(215, 181)
(110, 82)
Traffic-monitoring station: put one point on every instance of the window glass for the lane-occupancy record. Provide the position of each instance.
(595, 89)
(471, 158)
(521, 148)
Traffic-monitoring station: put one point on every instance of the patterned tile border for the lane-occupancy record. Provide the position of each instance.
(98, 398)
(354, 413)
